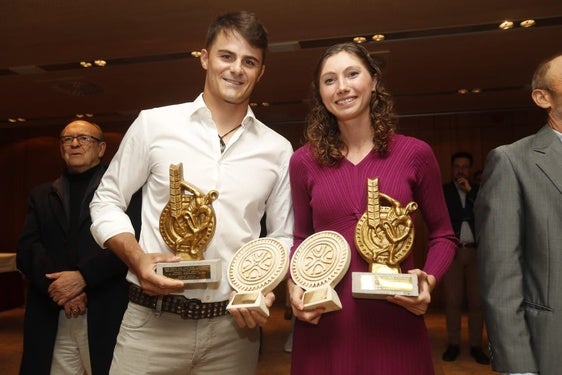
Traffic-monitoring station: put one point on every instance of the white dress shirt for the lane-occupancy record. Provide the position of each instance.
(251, 177)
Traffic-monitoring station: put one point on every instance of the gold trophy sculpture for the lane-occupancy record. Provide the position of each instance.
(255, 270)
(384, 236)
(317, 266)
(187, 225)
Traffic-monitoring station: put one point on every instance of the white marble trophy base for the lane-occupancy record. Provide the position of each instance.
(380, 285)
(325, 297)
(255, 270)
(250, 301)
(192, 272)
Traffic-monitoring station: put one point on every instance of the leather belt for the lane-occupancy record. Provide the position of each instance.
(187, 308)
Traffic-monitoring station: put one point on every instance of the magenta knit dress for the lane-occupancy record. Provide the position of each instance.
(368, 336)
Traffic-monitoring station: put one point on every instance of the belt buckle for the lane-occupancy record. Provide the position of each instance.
(191, 309)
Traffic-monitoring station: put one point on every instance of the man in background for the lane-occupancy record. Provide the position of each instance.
(77, 291)
(461, 281)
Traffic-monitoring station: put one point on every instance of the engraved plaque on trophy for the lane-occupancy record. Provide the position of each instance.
(317, 266)
(384, 236)
(255, 270)
(187, 225)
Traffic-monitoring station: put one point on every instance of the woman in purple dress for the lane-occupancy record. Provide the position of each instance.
(351, 138)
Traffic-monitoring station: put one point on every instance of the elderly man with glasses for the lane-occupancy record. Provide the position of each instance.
(77, 291)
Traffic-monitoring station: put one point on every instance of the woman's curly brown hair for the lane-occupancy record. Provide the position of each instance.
(322, 130)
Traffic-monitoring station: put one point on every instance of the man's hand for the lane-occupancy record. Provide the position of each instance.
(152, 283)
(417, 305)
(76, 306)
(297, 305)
(143, 265)
(252, 318)
(66, 285)
(463, 184)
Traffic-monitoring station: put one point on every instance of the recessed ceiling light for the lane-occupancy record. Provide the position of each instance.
(527, 23)
(100, 62)
(265, 104)
(253, 104)
(12, 120)
(476, 90)
(359, 39)
(21, 119)
(505, 25)
(378, 37)
(462, 91)
(196, 53)
(85, 64)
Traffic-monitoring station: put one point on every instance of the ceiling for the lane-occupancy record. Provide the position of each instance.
(432, 49)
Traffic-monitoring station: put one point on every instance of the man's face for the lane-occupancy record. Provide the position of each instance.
(461, 168)
(81, 156)
(233, 67)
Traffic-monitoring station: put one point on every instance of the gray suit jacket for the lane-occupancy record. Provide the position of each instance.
(519, 231)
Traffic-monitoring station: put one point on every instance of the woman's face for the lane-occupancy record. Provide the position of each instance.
(345, 86)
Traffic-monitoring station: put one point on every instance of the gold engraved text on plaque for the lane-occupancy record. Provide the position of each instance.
(187, 222)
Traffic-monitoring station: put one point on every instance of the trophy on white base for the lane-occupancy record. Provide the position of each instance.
(255, 270)
(317, 266)
(384, 236)
(187, 225)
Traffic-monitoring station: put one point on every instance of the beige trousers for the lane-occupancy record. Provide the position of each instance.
(170, 345)
(71, 355)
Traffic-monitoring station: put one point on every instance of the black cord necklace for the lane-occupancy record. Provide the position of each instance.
(224, 135)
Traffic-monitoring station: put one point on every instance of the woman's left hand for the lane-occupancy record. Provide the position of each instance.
(417, 305)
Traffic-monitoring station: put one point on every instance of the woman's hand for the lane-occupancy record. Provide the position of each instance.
(297, 305)
(417, 305)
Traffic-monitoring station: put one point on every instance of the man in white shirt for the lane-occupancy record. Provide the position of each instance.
(223, 147)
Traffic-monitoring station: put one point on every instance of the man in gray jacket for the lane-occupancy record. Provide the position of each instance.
(519, 232)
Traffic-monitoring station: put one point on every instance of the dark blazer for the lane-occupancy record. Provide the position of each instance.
(519, 228)
(457, 213)
(43, 248)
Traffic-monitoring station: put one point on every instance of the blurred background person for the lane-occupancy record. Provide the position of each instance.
(461, 281)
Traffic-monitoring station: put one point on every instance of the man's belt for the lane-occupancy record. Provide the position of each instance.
(187, 308)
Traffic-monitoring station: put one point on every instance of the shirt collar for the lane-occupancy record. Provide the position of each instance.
(201, 111)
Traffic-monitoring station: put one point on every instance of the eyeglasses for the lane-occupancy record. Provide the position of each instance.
(82, 139)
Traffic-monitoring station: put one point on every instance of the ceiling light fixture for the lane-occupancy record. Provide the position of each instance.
(196, 53)
(476, 90)
(359, 39)
(527, 23)
(85, 64)
(506, 25)
(100, 62)
(462, 91)
(378, 37)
